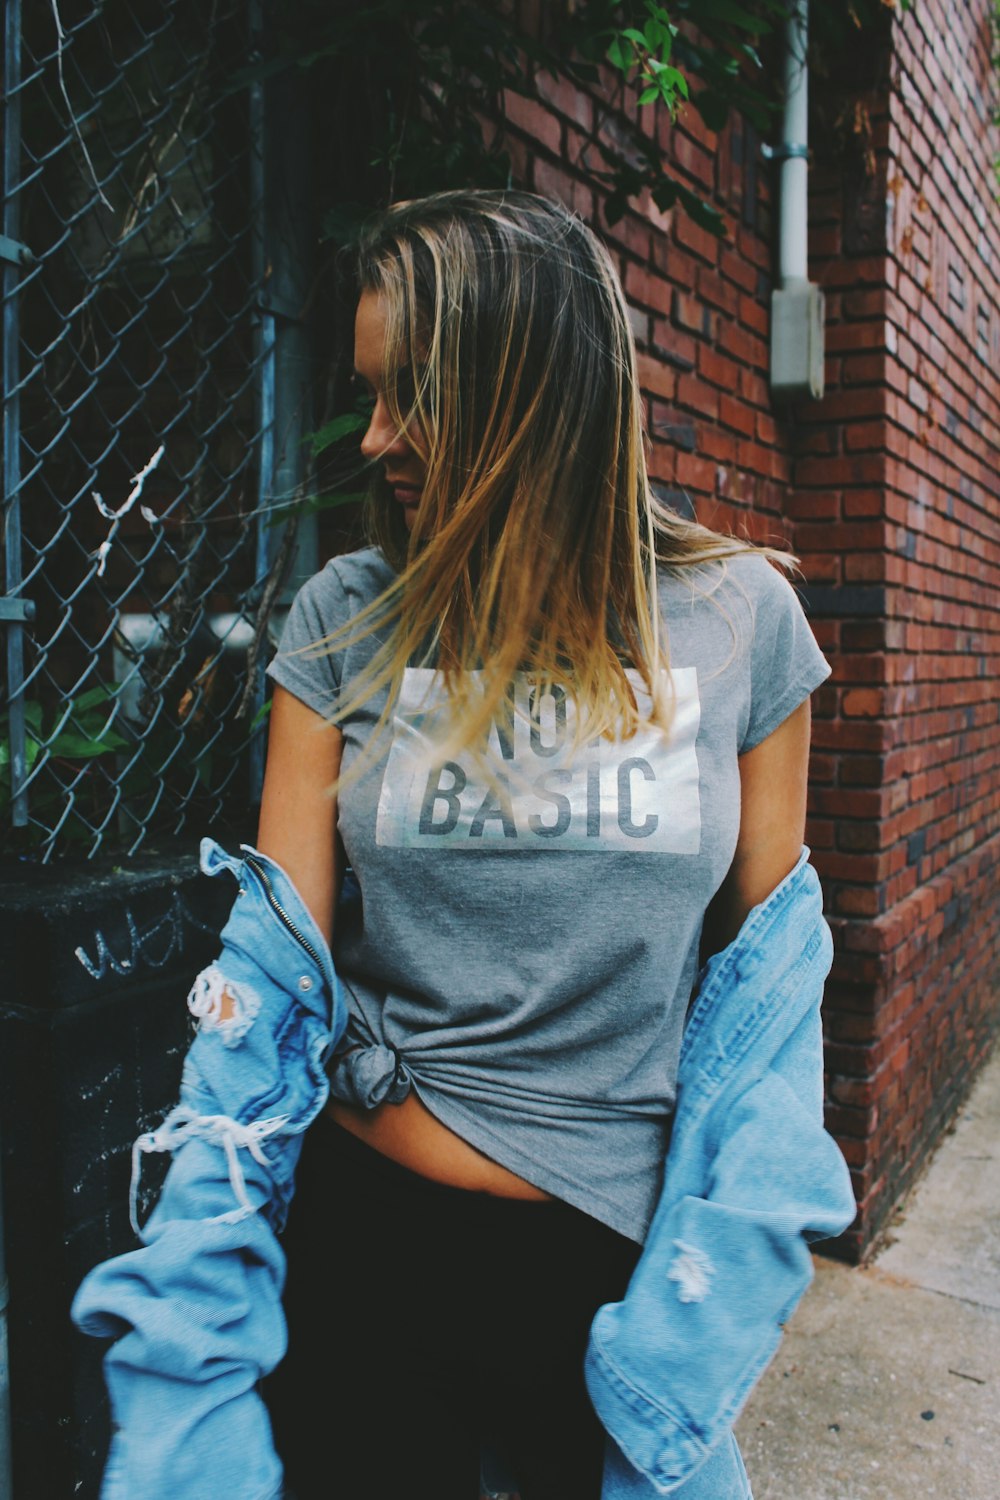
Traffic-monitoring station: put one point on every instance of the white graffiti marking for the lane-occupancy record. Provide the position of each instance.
(144, 947)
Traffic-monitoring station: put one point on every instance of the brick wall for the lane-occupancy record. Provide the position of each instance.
(700, 306)
(909, 742)
(887, 490)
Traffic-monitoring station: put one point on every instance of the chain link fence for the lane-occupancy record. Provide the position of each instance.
(140, 421)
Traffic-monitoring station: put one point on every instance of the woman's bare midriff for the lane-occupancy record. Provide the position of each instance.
(409, 1134)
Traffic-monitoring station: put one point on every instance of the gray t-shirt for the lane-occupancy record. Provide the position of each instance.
(525, 944)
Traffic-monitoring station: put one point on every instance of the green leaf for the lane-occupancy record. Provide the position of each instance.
(203, 768)
(94, 696)
(614, 206)
(734, 15)
(702, 213)
(659, 38)
(617, 56)
(335, 431)
(714, 110)
(585, 72)
(310, 504)
(260, 716)
(658, 13)
(71, 745)
(648, 95)
(665, 195)
(667, 82)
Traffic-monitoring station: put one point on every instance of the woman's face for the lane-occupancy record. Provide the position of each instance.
(383, 442)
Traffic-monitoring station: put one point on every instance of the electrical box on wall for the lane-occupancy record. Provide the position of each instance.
(797, 341)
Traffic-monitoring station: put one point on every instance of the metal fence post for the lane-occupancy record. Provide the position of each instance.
(12, 254)
(283, 249)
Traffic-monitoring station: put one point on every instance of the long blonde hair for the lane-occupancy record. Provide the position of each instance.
(537, 539)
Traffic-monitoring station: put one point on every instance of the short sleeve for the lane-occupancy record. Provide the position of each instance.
(786, 665)
(304, 664)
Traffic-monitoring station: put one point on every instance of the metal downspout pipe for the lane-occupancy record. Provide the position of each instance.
(793, 187)
(796, 305)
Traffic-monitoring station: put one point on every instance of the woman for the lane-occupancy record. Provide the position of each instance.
(568, 735)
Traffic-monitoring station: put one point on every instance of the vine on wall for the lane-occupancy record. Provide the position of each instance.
(420, 90)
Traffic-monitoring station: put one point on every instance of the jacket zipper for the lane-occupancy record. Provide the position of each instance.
(282, 913)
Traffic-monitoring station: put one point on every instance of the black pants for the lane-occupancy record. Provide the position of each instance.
(425, 1321)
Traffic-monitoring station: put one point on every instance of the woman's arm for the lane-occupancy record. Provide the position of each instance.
(773, 784)
(298, 813)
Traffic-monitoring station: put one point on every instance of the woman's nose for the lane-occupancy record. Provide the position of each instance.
(382, 436)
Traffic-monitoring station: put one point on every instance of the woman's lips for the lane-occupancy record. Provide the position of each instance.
(405, 494)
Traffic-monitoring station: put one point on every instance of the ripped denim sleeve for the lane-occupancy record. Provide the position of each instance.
(195, 1312)
(212, 993)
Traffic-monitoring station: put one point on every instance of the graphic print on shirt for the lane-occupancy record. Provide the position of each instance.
(640, 794)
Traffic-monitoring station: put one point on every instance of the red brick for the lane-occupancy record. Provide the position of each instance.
(858, 503)
(698, 241)
(630, 231)
(755, 315)
(694, 394)
(864, 435)
(565, 97)
(841, 803)
(647, 287)
(717, 369)
(553, 182)
(657, 377)
(862, 369)
(858, 468)
(813, 505)
(719, 293)
(845, 536)
(743, 345)
(855, 336)
(871, 567)
(681, 348)
(857, 901)
(739, 416)
(718, 444)
(534, 119)
(737, 268)
(693, 161)
(695, 473)
(846, 405)
(688, 312)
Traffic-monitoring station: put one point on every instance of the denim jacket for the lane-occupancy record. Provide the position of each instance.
(751, 1177)
(196, 1314)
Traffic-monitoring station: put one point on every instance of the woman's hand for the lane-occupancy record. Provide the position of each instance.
(773, 786)
(298, 813)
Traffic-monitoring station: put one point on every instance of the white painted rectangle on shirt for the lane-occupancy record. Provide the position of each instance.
(640, 794)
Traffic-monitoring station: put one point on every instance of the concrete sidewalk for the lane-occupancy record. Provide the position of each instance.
(887, 1384)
